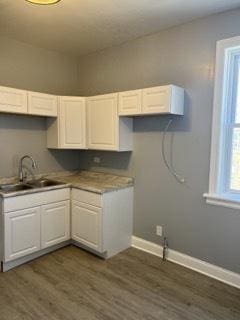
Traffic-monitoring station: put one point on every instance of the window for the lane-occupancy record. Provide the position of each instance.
(224, 184)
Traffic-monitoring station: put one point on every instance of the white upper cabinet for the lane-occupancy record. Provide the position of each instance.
(102, 122)
(130, 102)
(68, 131)
(13, 100)
(163, 99)
(42, 104)
(157, 100)
(106, 131)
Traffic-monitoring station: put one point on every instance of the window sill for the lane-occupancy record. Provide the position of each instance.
(228, 201)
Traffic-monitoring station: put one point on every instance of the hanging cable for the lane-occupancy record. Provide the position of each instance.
(170, 168)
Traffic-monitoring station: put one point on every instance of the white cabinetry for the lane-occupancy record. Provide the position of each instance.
(68, 131)
(13, 100)
(86, 225)
(22, 233)
(33, 222)
(106, 131)
(164, 99)
(102, 222)
(157, 100)
(55, 223)
(42, 104)
(130, 102)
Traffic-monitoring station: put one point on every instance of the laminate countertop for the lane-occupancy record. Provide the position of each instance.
(97, 182)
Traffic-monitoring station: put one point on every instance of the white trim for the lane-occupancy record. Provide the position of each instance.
(147, 246)
(208, 269)
(223, 73)
(218, 200)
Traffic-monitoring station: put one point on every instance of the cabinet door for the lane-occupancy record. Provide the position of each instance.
(55, 223)
(103, 122)
(130, 102)
(22, 233)
(72, 122)
(42, 104)
(156, 100)
(87, 225)
(13, 100)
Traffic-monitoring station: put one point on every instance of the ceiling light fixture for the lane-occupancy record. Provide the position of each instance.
(44, 2)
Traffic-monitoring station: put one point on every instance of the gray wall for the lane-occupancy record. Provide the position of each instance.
(25, 67)
(185, 56)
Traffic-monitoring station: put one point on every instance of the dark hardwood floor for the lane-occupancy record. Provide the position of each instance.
(71, 284)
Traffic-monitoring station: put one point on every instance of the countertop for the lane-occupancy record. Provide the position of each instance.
(97, 182)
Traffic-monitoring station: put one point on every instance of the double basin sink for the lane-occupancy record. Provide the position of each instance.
(32, 184)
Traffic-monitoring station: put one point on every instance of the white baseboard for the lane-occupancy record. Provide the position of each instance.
(198, 265)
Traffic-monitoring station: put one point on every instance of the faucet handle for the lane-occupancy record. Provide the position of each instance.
(23, 175)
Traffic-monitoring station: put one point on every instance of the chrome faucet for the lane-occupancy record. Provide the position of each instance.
(34, 166)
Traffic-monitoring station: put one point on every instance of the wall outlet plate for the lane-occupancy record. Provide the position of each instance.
(96, 159)
(159, 231)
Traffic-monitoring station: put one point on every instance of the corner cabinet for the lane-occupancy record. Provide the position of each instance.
(102, 222)
(102, 122)
(156, 100)
(86, 225)
(106, 131)
(13, 100)
(68, 131)
(42, 104)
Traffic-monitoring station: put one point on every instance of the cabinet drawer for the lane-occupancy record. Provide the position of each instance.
(91, 198)
(35, 199)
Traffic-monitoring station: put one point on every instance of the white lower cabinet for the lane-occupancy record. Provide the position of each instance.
(31, 223)
(102, 222)
(86, 225)
(22, 233)
(55, 223)
(34, 222)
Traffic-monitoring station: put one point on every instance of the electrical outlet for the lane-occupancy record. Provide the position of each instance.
(97, 160)
(159, 231)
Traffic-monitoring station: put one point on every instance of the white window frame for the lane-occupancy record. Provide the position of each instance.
(218, 193)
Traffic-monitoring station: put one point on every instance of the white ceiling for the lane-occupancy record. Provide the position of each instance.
(79, 27)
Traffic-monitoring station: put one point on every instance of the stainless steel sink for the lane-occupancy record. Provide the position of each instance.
(7, 188)
(41, 183)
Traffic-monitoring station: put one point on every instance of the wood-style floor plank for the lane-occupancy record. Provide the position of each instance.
(71, 284)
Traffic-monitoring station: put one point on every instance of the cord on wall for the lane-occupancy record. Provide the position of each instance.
(170, 168)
